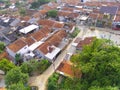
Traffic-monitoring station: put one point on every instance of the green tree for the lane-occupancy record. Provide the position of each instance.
(29, 67)
(6, 65)
(52, 13)
(34, 66)
(18, 59)
(18, 86)
(99, 63)
(14, 76)
(2, 47)
(35, 5)
(22, 12)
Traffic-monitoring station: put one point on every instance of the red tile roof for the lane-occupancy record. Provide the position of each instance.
(25, 18)
(93, 15)
(17, 45)
(68, 14)
(46, 22)
(117, 18)
(63, 13)
(38, 35)
(51, 23)
(53, 40)
(4, 55)
(29, 41)
(44, 47)
(68, 9)
(73, 2)
(84, 42)
(45, 30)
(68, 70)
(58, 25)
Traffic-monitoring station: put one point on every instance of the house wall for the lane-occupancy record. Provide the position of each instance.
(21, 51)
(40, 54)
(71, 31)
(24, 50)
(10, 52)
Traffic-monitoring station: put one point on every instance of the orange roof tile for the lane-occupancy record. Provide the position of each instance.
(68, 9)
(29, 41)
(58, 25)
(93, 15)
(17, 45)
(117, 19)
(43, 12)
(63, 13)
(26, 18)
(46, 22)
(53, 40)
(68, 70)
(4, 55)
(73, 2)
(44, 47)
(38, 35)
(51, 23)
(84, 42)
(45, 30)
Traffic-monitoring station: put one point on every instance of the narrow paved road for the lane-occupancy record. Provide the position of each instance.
(41, 80)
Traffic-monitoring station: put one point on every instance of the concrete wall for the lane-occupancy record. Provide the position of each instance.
(10, 52)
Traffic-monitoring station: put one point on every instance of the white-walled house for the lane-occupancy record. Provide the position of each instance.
(17, 47)
(50, 48)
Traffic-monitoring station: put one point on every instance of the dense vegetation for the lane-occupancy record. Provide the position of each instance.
(2, 47)
(18, 86)
(6, 65)
(52, 13)
(37, 3)
(100, 66)
(16, 77)
(34, 66)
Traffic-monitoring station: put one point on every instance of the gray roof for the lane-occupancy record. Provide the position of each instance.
(15, 22)
(109, 9)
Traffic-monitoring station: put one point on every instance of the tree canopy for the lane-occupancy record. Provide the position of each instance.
(6, 65)
(33, 66)
(52, 13)
(100, 65)
(18, 86)
(22, 11)
(37, 3)
(2, 47)
(15, 76)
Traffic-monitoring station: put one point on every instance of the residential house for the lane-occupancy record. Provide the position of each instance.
(50, 48)
(69, 2)
(29, 29)
(67, 16)
(66, 68)
(84, 42)
(26, 45)
(17, 47)
(51, 24)
(69, 27)
(41, 14)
